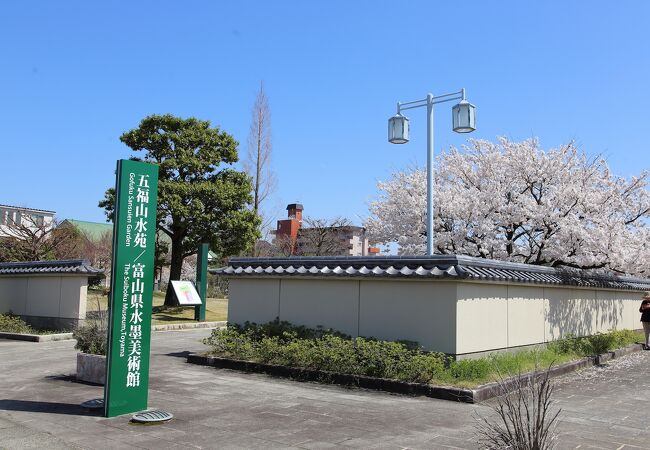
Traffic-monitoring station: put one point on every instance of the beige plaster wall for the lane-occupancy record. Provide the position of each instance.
(418, 311)
(630, 316)
(563, 313)
(253, 300)
(329, 303)
(44, 296)
(493, 316)
(13, 292)
(385, 309)
(482, 312)
(74, 292)
(452, 317)
(583, 312)
(526, 315)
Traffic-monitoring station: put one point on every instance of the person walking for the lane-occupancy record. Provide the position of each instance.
(645, 318)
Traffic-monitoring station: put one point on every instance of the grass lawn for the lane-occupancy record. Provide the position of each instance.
(217, 308)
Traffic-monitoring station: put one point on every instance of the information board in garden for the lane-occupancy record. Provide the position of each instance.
(129, 332)
(185, 293)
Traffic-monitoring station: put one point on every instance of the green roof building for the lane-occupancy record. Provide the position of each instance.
(93, 230)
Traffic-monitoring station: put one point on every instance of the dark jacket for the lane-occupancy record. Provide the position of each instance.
(645, 315)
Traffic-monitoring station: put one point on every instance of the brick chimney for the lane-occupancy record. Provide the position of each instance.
(288, 228)
(294, 211)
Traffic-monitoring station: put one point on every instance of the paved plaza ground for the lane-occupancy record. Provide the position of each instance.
(604, 408)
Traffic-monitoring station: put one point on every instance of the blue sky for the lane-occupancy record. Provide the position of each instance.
(75, 75)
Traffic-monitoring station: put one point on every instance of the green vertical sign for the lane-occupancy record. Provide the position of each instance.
(202, 281)
(129, 330)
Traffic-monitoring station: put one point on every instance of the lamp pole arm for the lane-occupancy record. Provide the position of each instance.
(434, 99)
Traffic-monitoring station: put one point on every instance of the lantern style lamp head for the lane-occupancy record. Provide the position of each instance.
(398, 129)
(464, 117)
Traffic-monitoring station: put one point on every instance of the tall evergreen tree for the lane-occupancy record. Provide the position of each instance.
(201, 198)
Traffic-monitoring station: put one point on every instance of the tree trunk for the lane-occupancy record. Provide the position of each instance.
(258, 169)
(175, 269)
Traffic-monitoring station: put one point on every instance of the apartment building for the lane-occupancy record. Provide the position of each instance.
(347, 240)
(28, 217)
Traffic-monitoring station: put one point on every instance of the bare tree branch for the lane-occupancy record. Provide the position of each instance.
(258, 158)
(322, 237)
(31, 239)
(523, 414)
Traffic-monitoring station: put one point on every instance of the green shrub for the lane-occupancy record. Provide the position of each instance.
(569, 344)
(422, 368)
(623, 338)
(284, 330)
(296, 346)
(10, 323)
(231, 343)
(381, 358)
(92, 336)
(598, 343)
(330, 353)
(594, 344)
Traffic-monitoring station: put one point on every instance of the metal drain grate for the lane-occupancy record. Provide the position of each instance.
(95, 403)
(152, 416)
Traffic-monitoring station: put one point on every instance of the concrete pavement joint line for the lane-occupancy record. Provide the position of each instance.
(479, 394)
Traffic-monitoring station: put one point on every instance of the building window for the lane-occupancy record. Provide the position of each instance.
(10, 218)
(38, 220)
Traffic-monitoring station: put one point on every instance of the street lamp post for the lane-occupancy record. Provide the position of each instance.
(464, 121)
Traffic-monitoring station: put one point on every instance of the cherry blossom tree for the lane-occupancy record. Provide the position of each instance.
(514, 201)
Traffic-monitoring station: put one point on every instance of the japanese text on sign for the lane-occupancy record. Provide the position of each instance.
(133, 276)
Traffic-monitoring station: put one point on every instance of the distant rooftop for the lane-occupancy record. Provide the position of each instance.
(24, 208)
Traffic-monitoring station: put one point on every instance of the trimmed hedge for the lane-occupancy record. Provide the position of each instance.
(283, 344)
